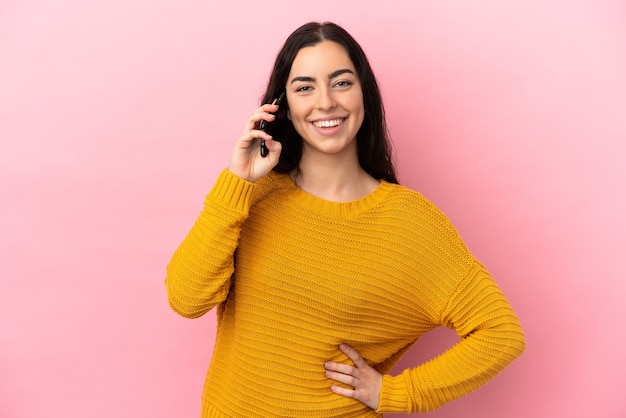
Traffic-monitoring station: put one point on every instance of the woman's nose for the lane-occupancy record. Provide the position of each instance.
(325, 99)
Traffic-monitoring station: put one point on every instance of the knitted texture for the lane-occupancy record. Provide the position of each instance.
(293, 276)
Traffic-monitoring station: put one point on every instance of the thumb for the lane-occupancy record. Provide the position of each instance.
(274, 148)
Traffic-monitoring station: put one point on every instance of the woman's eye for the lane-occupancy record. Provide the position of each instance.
(303, 89)
(343, 83)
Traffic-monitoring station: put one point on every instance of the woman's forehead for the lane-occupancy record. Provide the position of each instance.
(321, 59)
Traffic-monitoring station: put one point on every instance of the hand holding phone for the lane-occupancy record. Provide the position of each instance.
(263, 125)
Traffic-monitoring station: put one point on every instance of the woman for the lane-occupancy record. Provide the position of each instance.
(323, 269)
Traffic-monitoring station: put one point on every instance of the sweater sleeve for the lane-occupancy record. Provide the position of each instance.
(199, 273)
(491, 338)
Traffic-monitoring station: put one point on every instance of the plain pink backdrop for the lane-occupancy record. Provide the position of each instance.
(115, 118)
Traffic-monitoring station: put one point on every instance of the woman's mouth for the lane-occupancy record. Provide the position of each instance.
(328, 123)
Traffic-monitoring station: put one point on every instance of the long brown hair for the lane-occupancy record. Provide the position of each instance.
(373, 142)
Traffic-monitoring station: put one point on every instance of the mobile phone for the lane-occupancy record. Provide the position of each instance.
(263, 125)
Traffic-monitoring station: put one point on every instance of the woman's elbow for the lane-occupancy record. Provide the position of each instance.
(184, 305)
(514, 339)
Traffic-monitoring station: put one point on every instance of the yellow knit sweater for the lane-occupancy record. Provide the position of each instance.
(294, 276)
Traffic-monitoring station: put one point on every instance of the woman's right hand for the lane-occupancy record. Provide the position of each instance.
(246, 161)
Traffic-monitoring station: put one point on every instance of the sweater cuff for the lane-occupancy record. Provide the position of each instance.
(393, 395)
(232, 191)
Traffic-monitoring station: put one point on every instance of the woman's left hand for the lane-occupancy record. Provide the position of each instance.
(365, 380)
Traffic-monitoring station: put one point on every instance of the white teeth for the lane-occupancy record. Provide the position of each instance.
(328, 123)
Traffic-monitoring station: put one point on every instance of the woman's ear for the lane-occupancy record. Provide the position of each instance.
(289, 115)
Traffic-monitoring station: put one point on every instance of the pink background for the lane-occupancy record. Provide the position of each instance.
(116, 116)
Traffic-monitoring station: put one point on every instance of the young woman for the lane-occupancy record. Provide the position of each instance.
(323, 269)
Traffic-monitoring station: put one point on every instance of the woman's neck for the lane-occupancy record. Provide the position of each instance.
(338, 180)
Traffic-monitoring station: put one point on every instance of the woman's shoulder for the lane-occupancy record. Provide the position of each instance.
(414, 205)
(268, 184)
(421, 217)
(403, 195)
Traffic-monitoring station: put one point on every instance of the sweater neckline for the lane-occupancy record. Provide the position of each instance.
(310, 203)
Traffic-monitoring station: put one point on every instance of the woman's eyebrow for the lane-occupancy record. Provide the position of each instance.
(337, 73)
(332, 75)
(303, 79)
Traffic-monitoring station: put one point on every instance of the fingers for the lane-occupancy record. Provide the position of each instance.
(348, 393)
(253, 135)
(255, 125)
(341, 373)
(273, 146)
(365, 381)
(263, 113)
(352, 355)
(345, 368)
(246, 160)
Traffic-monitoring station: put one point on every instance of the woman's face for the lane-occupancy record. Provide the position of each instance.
(325, 99)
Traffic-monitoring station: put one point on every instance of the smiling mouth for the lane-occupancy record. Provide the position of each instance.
(328, 123)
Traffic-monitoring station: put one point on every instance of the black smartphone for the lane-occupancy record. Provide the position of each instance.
(263, 125)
